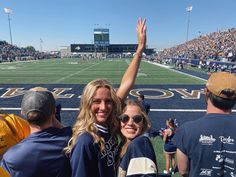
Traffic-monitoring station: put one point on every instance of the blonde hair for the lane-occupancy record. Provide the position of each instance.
(146, 123)
(85, 121)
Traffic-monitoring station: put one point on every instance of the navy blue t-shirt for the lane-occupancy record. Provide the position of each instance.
(146, 106)
(209, 143)
(139, 159)
(40, 155)
(87, 160)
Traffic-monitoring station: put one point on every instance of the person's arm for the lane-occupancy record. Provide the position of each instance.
(183, 163)
(166, 133)
(130, 74)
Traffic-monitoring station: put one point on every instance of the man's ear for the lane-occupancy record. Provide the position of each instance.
(206, 91)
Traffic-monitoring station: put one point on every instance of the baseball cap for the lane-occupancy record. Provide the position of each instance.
(221, 81)
(41, 101)
(42, 89)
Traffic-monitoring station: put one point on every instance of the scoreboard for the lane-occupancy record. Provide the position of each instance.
(101, 37)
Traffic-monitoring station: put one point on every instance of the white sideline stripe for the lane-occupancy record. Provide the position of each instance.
(168, 67)
(188, 75)
(68, 76)
(154, 110)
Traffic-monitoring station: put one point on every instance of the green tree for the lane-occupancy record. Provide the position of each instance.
(30, 48)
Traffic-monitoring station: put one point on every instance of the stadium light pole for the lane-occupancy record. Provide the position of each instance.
(8, 11)
(108, 26)
(40, 42)
(95, 45)
(188, 9)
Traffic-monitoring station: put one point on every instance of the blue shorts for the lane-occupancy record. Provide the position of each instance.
(170, 148)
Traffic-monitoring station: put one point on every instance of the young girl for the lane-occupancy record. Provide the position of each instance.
(93, 145)
(169, 147)
(137, 156)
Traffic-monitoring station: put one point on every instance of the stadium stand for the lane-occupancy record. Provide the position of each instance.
(214, 50)
(10, 53)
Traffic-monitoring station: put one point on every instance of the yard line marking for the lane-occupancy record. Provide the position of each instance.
(139, 70)
(152, 110)
(168, 67)
(72, 74)
(178, 110)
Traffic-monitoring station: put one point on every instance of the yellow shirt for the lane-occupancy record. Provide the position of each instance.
(13, 129)
(4, 173)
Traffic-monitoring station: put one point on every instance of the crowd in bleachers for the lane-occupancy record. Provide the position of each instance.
(216, 45)
(10, 52)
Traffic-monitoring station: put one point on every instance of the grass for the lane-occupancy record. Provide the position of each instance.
(75, 71)
(158, 147)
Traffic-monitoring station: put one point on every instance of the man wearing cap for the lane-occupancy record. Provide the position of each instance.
(41, 153)
(145, 104)
(207, 146)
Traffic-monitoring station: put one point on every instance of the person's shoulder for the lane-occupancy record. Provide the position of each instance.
(168, 131)
(16, 152)
(139, 141)
(145, 103)
(86, 142)
(85, 138)
(193, 123)
(20, 125)
(65, 131)
(68, 130)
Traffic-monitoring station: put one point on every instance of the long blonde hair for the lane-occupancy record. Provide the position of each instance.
(146, 124)
(85, 121)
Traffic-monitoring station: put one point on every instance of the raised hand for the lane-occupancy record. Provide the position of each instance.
(141, 33)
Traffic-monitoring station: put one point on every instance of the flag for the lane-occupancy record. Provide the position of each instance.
(7, 10)
(41, 40)
(190, 8)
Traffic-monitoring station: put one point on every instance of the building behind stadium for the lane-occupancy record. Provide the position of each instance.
(101, 48)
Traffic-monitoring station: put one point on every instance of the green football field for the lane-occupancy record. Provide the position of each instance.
(76, 71)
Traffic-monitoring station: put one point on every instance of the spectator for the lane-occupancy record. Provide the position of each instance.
(145, 104)
(13, 129)
(40, 154)
(137, 156)
(93, 146)
(214, 46)
(206, 147)
(58, 104)
(169, 147)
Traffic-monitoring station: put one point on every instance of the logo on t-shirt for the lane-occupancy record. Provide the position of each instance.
(225, 140)
(205, 172)
(207, 140)
(232, 174)
(110, 151)
(219, 158)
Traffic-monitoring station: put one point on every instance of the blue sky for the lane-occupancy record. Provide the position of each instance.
(63, 22)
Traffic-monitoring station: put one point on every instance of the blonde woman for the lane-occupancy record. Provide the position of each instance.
(93, 145)
(137, 156)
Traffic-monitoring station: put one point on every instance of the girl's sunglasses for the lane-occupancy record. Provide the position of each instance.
(125, 118)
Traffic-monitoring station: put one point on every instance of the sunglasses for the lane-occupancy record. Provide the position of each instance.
(125, 118)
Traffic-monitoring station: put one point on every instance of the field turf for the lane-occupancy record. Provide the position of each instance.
(76, 71)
